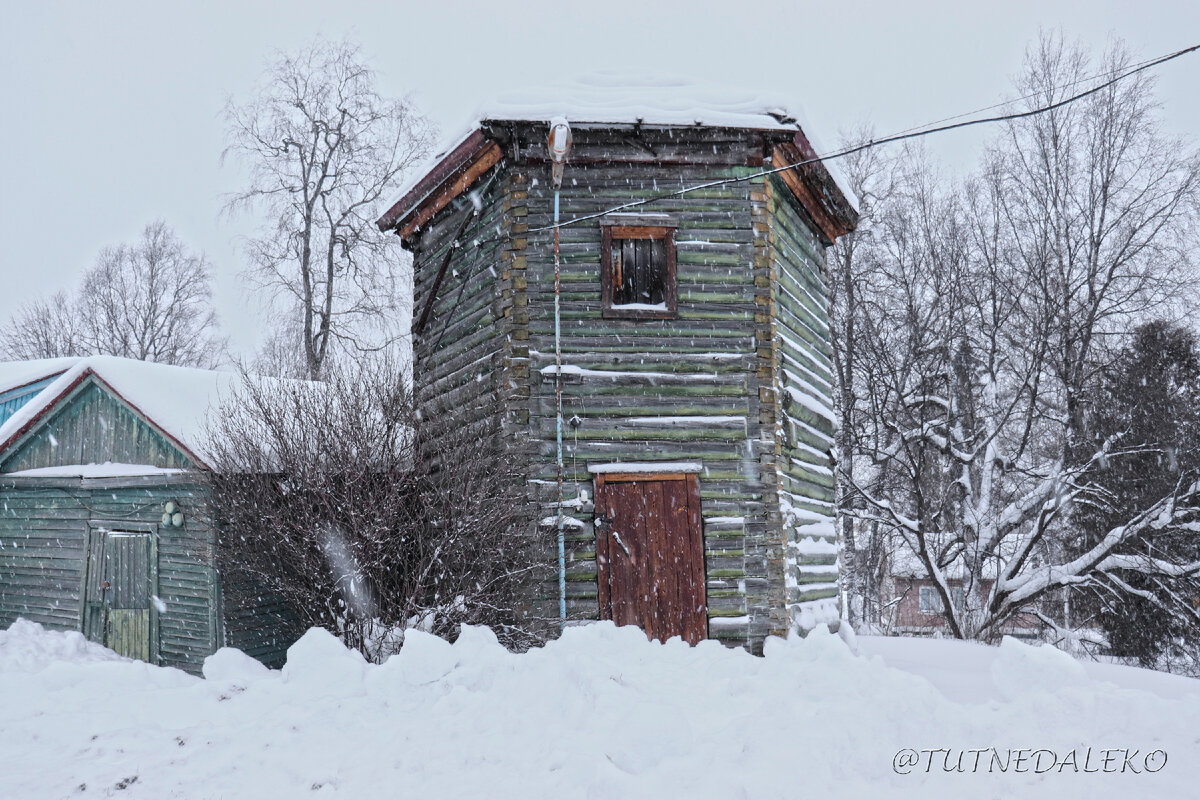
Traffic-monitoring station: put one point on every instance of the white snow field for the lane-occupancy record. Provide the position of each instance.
(601, 713)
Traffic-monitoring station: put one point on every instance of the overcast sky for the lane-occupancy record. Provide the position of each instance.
(112, 111)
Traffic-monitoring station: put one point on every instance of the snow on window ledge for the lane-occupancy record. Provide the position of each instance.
(646, 466)
(639, 307)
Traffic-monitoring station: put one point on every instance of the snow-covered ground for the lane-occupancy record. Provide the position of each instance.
(600, 713)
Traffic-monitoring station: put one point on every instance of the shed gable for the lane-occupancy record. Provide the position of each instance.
(91, 425)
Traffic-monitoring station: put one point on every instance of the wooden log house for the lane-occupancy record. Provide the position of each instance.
(105, 523)
(696, 380)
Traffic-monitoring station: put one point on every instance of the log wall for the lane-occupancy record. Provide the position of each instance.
(703, 387)
(805, 416)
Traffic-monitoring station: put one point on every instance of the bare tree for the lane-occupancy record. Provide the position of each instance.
(969, 467)
(43, 328)
(281, 354)
(367, 518)
(985, 316)
(323, 149)
(150, 301)
(1098, 207)
(853, 267)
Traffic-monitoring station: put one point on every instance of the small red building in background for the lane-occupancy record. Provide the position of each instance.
(913, 606)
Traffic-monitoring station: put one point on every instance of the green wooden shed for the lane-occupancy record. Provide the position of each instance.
(105, 523)
(694, 356)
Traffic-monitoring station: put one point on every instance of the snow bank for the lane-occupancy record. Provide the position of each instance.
(600, 713)
(26, 647)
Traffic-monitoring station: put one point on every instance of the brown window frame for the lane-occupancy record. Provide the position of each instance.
(636, 227)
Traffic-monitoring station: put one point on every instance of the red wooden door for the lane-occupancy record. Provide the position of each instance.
(650, 554)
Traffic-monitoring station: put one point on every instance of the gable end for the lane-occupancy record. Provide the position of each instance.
(91, 423)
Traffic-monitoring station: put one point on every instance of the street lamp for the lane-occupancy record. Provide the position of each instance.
(559, 146)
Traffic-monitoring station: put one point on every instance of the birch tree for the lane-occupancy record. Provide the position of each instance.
(323, 148)
(1099, 206)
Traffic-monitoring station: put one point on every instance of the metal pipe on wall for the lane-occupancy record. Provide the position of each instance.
(559, 145)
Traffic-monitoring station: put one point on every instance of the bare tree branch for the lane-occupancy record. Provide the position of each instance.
(150, 301)
(323, 148)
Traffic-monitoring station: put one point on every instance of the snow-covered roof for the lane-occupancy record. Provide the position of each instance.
(610, 97)
(15, 374)
(175, 399)
(903, 562)
(620, 97)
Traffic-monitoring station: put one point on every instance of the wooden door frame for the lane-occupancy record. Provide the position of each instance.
(123, 526)
(695, 529)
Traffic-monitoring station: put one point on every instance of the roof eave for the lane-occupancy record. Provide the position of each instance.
(811, 183)
(815, 188)
(452, 176)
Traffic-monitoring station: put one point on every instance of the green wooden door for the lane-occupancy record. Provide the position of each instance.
(94, 591)
(117, 599)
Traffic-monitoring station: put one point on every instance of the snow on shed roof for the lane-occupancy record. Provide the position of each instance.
(175, 399)
(903, 562)
(15, 374)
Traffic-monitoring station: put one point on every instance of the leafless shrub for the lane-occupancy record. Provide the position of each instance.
(367, 518)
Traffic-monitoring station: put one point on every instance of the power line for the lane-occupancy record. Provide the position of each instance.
(1004, 103)
(910, 134)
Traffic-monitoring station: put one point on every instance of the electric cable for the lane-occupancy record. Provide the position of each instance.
(910, 133)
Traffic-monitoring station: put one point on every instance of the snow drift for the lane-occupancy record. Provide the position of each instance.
(600, 713)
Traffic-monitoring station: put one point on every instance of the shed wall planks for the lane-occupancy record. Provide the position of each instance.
(44, 528)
